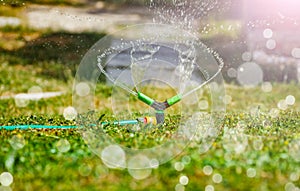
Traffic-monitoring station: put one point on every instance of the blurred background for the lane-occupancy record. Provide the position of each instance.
(44, 41)
(55, 34)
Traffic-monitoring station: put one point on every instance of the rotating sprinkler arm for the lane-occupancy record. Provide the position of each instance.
(159, 105)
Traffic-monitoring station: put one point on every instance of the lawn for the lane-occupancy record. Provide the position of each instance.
(257, 146)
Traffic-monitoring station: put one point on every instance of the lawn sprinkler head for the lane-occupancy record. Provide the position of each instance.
(159, 107)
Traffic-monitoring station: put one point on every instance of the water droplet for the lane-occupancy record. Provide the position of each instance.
(179, 166)
(266, 87)
(217, 178)
(63, 145)
(82, 89)
(184, 180)
(17, 142)
(268, 33)
(113, 156)
(290, 100)
(6, 179)
(251, 172)
(70, 113)
(250, 74)
(207, 170)
(209, 188)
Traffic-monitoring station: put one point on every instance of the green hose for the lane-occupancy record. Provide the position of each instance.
(145, 120)
(24, 127)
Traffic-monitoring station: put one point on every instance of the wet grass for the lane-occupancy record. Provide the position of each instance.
(255, 149)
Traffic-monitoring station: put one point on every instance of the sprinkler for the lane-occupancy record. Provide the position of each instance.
(159, 107)
(142, 51)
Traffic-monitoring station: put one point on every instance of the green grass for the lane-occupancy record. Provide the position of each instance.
(22, 3)
(39, 164)
(37, 160)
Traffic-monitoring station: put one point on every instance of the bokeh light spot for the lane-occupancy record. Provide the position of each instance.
(154, 163)
(17, 142)
(179, 166)
(282, 105)
(294, 150)
(179, 187)
(36, 90)
(20, 100)
(63, 145)
(227, 99)
(258, 144)
(207, 170)
(266, 87)
(290, 100)
(289, 186)
(184, 180)
(296, 52)
(251, 172)
(247, 56)
(82, 89)
(274, 112)
(85, 169)
(294, 176)
(186, 160)
(217, 178)
(6, 179)
(271, 44)
(101, 171)
(268, 33)
(209, 188)
(5, 188)
(203, 105)
(70, 113)
(250, 74)
(113, 156)
(232, 73)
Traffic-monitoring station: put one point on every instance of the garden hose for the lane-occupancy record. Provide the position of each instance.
(144, 120)
(158, 119)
